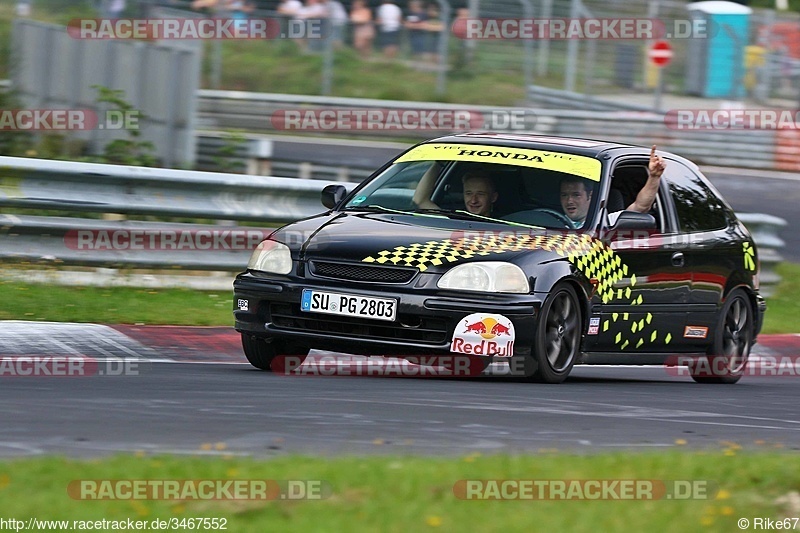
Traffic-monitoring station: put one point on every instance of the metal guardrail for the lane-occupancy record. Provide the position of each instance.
(766, 149)
(226, 110)
(296, 157)
(83, 188)
(60, 241)
(252, 113)
(547, 98)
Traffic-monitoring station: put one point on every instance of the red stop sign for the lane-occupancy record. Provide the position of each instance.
(660, 53)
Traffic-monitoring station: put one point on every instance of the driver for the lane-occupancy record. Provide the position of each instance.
(576, 195)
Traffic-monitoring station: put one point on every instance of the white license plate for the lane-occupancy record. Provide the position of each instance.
(334, 303)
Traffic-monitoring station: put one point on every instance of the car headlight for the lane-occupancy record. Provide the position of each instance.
(486, 276)
(271, 256)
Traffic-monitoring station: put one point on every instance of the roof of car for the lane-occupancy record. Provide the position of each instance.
(590, 147)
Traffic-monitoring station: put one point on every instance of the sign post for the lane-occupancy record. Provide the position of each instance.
(660, 54)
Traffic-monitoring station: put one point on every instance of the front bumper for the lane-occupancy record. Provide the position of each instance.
(425, 324)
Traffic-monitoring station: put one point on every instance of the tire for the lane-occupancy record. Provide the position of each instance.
(558, 337)
(261, 353)
(733, 338)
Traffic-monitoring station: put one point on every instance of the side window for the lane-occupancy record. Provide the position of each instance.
(627, 180)
(696, 205)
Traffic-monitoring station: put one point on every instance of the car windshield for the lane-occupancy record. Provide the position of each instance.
(496, 183)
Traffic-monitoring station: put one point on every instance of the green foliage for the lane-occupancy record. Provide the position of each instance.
(13, 143)
(227, 159)
(130, 151)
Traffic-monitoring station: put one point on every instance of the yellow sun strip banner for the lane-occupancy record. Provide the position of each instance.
(578, 165)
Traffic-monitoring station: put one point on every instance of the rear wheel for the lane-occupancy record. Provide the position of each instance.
(261, 353)
(733, 337)
(558, 337)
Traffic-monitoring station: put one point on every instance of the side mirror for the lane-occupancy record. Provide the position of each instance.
(332, 195)
(634, 220)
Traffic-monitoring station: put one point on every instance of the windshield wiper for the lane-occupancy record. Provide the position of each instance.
(459, 214)
(375, 208)
(468, 214)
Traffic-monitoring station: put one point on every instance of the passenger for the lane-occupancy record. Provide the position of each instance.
(576, 193)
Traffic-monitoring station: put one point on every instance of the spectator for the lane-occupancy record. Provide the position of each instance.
(315, 14)
(112, 9)
(464, 51)
(416, 23)
(209, 7)
(363, 29)
(239, 9)
(390, 19)
(289, 12)
(290, 8)
(434, 27)
(338, 18)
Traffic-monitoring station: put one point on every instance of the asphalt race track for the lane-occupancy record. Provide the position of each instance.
(190, 392)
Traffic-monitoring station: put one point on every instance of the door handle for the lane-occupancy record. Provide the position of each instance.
(677, 259)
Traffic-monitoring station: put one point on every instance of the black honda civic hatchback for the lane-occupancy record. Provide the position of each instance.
(517, 248)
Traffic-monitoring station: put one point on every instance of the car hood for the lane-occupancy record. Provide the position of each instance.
(425, 242)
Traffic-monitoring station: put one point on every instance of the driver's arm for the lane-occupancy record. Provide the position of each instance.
(422, 194)
(647, 195)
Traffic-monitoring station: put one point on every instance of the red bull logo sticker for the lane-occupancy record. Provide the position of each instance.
(484, 334)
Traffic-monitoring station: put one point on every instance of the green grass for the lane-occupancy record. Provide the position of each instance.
(122, 305)
(401, 493)
(115, 305)
(282, 67)
(783, 307)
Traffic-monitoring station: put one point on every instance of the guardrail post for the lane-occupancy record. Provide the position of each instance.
(764, 229)
(259, 155)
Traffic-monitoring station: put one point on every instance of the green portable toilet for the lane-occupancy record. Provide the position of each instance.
(715, 63)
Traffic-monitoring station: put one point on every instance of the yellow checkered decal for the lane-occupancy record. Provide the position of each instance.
(594, 258)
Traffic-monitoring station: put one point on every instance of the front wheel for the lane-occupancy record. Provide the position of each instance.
(558, 336)
(733, 337)
(261, 354)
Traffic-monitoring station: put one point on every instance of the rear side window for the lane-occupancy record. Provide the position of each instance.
(697, 206)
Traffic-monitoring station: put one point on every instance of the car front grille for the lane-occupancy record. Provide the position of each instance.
(417, 329)
(368, 273)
